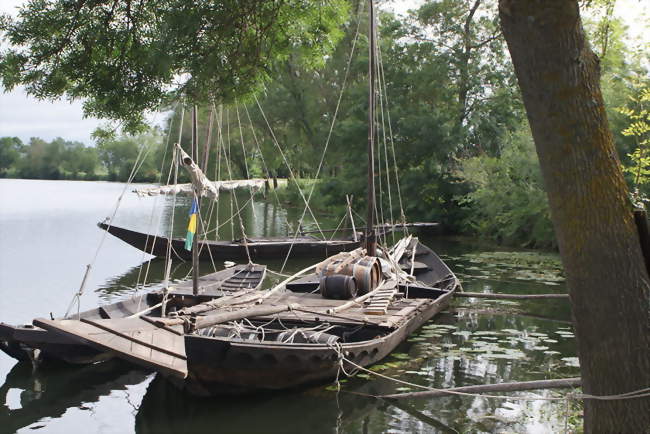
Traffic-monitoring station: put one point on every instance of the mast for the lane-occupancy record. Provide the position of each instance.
(371, 242)
(197, 197)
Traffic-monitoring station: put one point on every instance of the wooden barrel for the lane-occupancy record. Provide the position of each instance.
(366, 271)
(338, 286)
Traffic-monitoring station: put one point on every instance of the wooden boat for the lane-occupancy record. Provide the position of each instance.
(291, 338)
(226, 365)
(29, 342)
(259, 248)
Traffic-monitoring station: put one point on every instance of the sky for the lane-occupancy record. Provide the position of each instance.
(24, 116)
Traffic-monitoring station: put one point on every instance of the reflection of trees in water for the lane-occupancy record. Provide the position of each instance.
(261, 217)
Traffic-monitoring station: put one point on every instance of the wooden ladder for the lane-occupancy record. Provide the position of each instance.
(381, 299)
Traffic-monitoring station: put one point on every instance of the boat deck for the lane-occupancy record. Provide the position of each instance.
(313, 308)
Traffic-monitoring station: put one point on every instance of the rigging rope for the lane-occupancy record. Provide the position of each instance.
(168, 253)
(233, 196)
(382, 80)
(383, 130)
(327, 141)
(284, 158)
(243, 148)
(77, 296)
(153, 210)
(259, 149)
(641, 393)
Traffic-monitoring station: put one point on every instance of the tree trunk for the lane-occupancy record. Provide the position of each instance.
(592, 215)
(463, 64)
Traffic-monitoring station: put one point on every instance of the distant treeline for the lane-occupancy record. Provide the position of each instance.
(111, 159)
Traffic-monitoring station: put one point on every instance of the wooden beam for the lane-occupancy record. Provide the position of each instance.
(250, 312)
(484, 388)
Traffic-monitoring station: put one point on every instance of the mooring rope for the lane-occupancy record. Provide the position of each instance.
(641, 393)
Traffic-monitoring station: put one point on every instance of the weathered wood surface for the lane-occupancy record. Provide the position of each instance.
(251, 312)
(485, 388)
(381, 299)
(135, 339)
(259, 248)
(249, 276)
(357, 301)
(316, 308)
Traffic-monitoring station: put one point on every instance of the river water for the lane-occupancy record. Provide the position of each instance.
(48, 235)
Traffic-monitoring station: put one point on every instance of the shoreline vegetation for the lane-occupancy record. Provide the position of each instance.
(456, 127)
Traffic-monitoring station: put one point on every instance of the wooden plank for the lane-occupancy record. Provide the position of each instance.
(249, 312)
(380, 301)
(392, 320)
(134, 339)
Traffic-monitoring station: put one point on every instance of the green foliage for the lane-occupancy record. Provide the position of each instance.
(462, 154)
(506, 199)
(10, 148)
(120, 155)
(624, 72)
(124, 57)
(638, 114)
(58, 159)
(62, 159)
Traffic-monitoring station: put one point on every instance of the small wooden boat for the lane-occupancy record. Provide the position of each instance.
(259, 248)
(30, 342)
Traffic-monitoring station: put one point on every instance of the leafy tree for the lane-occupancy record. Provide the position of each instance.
(79, 159)
(10, 149)
(41, 160)
(125, 57)
(466, 37)
(120, 155)
(506, 199)
(638, 113)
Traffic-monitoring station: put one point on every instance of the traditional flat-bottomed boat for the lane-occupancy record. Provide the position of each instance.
(32, 343)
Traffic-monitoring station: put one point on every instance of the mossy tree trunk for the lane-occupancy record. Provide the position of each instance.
(608, 283)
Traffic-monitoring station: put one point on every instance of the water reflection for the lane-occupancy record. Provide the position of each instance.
(32, 395)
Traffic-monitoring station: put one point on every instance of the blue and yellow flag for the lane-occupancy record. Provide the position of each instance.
(191, 227)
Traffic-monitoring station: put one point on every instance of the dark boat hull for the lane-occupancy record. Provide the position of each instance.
(222, 367)
(267, 248)
(219, 366)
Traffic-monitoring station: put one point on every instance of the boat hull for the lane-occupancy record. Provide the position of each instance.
(218, 366)
(267, 248)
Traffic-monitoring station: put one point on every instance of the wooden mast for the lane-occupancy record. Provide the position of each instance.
(371, 242)
(197, 197)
